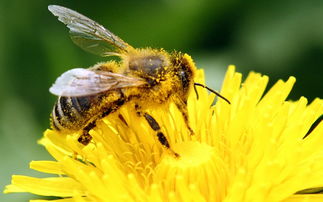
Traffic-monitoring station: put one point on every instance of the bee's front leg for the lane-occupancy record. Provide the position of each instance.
(182, 107)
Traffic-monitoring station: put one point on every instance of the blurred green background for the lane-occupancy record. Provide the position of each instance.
(277, 38)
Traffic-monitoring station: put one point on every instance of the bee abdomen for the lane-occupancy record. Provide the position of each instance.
(70, 112)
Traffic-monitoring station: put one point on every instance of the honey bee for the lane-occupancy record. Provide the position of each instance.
(143, 77)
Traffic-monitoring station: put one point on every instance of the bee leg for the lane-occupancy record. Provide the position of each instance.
(182, 107)
(155, 126)
(85, 138)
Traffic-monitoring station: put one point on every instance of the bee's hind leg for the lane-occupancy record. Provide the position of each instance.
(85, 138)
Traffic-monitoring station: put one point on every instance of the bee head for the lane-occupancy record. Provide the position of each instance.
(184, 70)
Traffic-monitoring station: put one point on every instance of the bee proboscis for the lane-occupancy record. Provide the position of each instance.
(144, 77)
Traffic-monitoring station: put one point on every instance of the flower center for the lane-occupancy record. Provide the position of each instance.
(192, 154)
(198, 167)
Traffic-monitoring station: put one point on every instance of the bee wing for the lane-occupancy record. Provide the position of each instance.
(88, 34)
(83, 82)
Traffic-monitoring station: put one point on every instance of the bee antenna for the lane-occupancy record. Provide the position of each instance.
(209, 89)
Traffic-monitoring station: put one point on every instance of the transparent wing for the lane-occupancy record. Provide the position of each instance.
(83, 82)
(88, 34)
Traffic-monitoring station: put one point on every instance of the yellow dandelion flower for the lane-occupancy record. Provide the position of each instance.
(250, 150)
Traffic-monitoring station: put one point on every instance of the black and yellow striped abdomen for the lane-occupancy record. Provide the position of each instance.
(71, 113)
(75, 113)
